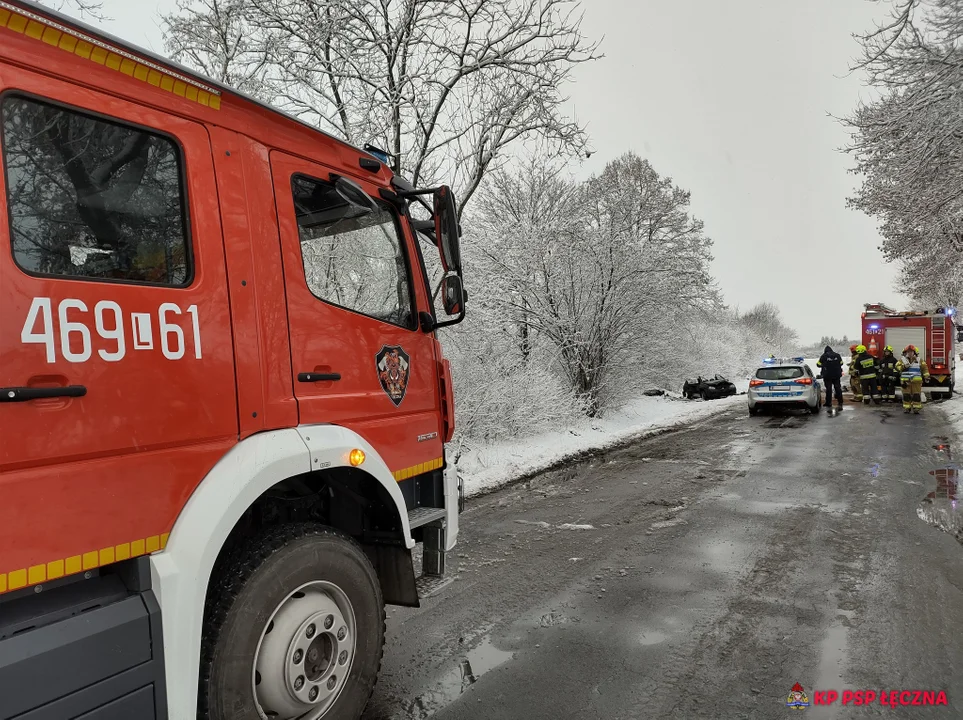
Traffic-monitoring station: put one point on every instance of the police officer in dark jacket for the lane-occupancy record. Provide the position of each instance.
(832, 366)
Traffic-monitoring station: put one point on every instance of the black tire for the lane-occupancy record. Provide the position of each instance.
(753, 411)
(814, 410)
(252, 583)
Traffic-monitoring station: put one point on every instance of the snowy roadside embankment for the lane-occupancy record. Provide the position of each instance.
(491, 466)
(953, 409)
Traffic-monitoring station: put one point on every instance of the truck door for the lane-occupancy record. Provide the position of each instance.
(117, 388)
(900, 337)
(359, 358)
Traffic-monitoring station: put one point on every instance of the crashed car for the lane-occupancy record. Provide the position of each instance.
(708, 389)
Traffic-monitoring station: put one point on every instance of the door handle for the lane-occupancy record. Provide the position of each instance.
(23, 394)
(318, 377)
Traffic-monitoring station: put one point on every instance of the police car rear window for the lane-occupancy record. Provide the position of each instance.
(779, 373)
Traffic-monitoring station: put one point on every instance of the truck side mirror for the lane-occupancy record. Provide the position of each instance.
(447, 229)
(453, 295)
(959, 335)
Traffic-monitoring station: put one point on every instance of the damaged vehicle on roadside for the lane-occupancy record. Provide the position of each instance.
(708, 389)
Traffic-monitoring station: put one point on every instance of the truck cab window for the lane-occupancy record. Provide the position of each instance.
(352, 257)
(93, 199)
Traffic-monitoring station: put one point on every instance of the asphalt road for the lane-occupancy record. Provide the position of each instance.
(725, 562)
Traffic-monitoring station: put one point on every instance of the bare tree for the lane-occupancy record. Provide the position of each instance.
(766, 320)
(587, 268)
(929, 288)
(443, 86)
(907, 142)
(215, 37)
(93, 9)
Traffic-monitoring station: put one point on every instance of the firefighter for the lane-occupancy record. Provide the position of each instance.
(865, 366)
(854, 375)
(832, 367)
(913, 371)
(888, 374)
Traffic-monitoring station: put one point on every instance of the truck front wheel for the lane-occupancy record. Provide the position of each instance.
(294, 628)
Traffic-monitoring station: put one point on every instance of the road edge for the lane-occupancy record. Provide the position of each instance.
(670, 426)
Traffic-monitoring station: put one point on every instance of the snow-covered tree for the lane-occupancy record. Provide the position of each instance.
(215, 37)
(86, 9)
(765, 320)
(907, 141)
(444, 87)
(588, 268)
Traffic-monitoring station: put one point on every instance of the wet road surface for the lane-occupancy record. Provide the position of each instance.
(701, 574)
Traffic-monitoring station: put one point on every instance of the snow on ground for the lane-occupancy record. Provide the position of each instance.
(954, 408)
(491, 466)
(496, 464)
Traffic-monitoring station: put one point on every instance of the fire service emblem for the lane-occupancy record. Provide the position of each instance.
(393, 372)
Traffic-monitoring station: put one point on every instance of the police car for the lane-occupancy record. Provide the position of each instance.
(784, 382)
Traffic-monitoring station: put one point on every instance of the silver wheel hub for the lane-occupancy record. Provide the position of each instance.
(305, 654)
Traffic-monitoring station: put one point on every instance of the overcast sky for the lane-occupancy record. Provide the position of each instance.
(732, 99)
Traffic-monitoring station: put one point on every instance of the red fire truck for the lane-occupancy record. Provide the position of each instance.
(933, 332)
(223, 404)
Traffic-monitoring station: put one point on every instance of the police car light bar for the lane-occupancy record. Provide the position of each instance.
(782, 361)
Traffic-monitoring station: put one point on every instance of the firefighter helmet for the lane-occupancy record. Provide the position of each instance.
(852, 348)
(910, 348)
(889, 349)
(860, 349)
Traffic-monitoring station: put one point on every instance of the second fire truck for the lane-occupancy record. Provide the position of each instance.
(933, 332)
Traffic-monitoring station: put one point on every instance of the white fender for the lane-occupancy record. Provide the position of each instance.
(180, 573)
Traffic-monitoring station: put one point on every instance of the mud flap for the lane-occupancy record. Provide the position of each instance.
(395, 573)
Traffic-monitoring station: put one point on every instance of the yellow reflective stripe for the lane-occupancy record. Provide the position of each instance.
(117, 59)
(418, 469)
(36, 574)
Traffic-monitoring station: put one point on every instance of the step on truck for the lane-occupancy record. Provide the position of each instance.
(933, 332)
(223, 403)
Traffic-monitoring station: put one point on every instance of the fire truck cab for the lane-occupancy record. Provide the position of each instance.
(223, 403)
(933, 332)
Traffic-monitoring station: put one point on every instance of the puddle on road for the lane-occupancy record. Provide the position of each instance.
(470, 668)
(724, 555)
(769, 507)
(653, 637)
(756, 507)
(832, 658)
(944, 447)
(941, 507)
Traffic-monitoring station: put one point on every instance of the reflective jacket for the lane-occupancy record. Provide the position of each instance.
(912, 370)
(865, 365)
(888, 366)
